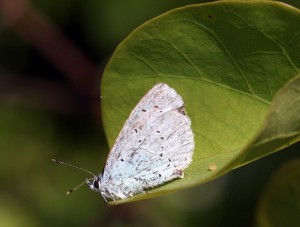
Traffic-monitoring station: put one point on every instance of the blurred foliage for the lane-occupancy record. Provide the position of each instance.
(279, 204)
(44, 115)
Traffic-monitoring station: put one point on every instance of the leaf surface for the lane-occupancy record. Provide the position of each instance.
(227, 60)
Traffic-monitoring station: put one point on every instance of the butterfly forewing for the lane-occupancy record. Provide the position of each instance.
(154, 147)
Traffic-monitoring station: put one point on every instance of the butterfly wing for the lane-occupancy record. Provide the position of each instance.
(154, 147)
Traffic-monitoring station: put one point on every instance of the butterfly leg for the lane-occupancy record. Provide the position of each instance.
(103, 196)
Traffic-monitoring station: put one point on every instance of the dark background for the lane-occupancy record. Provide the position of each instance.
(52, 55)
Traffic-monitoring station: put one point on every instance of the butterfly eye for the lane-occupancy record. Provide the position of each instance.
(96, 184)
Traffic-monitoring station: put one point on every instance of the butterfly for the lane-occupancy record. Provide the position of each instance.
(153, 148)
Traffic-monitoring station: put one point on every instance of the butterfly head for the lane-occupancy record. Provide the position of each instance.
(94, 184)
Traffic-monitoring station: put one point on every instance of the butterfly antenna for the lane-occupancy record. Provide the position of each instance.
(76, 167)
(75, 188)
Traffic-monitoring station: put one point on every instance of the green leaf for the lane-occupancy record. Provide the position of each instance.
(227, 60)
(280, 202)
(282, 126)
